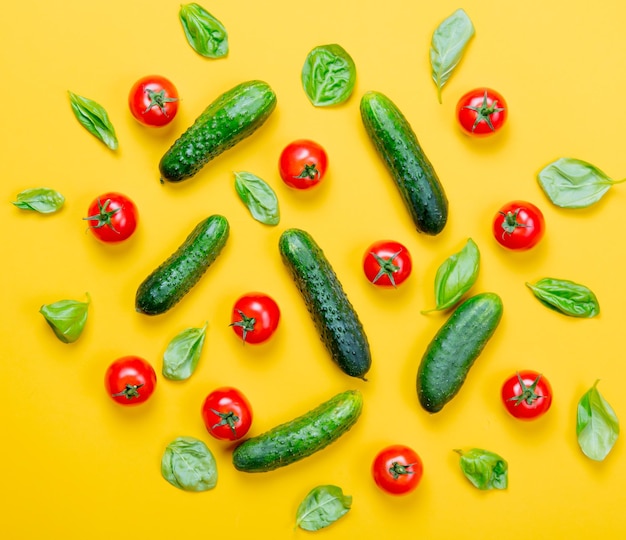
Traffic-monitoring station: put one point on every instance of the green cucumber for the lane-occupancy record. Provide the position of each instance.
(334, 317)
(301, 437)
(232, 117)
(173, 279)
(455, 347)
(412, 172)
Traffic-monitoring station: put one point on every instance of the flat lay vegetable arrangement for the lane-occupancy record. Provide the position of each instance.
(303, 298)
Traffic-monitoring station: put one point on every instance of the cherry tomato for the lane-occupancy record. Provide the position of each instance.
(302, 164)
(527, 395)
(518, 225)
(153, 101)
(130, 380)
(255, 317)
(387, 263)
(227, 414)
(112, 217)
(481, 112)
(397, 469)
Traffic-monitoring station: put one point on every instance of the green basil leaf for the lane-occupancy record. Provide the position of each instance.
(259, 197)
(484, 469)
(321, 507)
(448, 45)
(67, 318)
(188, 464)
(328, 75)
(566, 297)
(94, 119)
(206, 35)
(183, 353)
(573, 183)
(597, 426)
(42, 200)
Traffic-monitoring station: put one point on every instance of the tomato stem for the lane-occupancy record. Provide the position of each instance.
(310, 171)
(387, 267)
(397, 469)
(528, 393)
(228, 418)
(158, 99)
(510, 222)
(484, 112)
(103, 217)
(246, 324)
(130, 391)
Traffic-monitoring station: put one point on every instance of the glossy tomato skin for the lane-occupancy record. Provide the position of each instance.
(112, 217)
(527, 395)
(303, 164)
(130, 380)
(519, 225)
(387, 263)
(227, 414)
(153, 101)
(255, 317)
(481, 112)
(397, 469)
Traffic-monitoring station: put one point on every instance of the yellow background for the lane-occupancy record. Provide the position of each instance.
(76, 465)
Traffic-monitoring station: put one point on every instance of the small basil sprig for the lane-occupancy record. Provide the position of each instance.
(566, 297)
(42, 200)
(94, 118)
(597, 426)
(328, 75)
(188, 464)
(321, 507)
(484, 469)
(574, 183)
(67, 318)
(448, 45)
(206, 35)
(182, 354)
(259, 197)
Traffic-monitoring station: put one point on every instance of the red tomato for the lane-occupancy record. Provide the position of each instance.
(518, 225)
(255, 317)
(397, 469)
(130, 380)
(153, 101)
(227, 414)
(527, 395)
(387, 263)
(481, 112)
(113, 217)
(302, 164)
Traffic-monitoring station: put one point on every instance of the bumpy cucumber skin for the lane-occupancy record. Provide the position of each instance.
(454, 349)
(412, 172)
(301, 437)
(232, 117)
(333, 315)
(173, 279)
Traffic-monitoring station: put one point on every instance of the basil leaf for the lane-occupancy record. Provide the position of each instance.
(206, 35)
(259, 197)
(42, 200)
(67, 318)
(94, 119)
(447, 46)
(484, 469)
(597, 426)
(328, 75)
(566, 297)
(573, 183)
(188, 464)
(183, 353)
(321, 507)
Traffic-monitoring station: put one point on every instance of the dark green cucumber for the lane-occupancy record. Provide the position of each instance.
(334, 316)
(173, 279)
(232, 117)
(301, 437)
(455, 347)
(412, 172)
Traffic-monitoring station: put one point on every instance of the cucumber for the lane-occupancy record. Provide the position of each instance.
(232, 117)
(301, 437)
(412, 172)
(173, 279)
(455, 347)
(334, 317)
